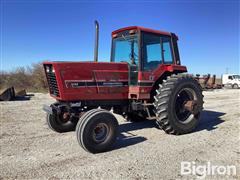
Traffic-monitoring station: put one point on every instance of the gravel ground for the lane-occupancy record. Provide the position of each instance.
(30, 150)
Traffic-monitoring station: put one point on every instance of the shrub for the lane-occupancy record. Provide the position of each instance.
(31, 78)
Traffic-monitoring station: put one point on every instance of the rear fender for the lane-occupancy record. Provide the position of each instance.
(172, 69)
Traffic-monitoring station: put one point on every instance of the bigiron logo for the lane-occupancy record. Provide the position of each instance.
(208, 169)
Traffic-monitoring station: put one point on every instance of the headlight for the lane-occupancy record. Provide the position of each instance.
(47, 69)
(50, 69)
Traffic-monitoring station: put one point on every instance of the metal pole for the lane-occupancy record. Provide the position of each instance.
(96, 41)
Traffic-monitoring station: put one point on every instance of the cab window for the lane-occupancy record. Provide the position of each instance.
(125, 49)
(152, 55)
(156, 50)
(167, 51)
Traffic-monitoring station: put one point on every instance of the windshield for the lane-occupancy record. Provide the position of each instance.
(236, 76)
(125, 49)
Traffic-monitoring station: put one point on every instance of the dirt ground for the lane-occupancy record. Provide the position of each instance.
(30, 150)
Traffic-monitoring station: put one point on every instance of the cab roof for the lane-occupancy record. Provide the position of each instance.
(139, 28)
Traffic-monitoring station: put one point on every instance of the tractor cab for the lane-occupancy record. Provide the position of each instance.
(148, 53)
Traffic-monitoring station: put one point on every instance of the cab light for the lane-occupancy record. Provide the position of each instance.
(132, 31)
(115, 35)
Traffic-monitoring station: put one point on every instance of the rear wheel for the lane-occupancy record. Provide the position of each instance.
(178, 104)
(235, 86)
(60, 124)
(97, 130)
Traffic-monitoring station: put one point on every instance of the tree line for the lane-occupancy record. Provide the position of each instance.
(32, 78)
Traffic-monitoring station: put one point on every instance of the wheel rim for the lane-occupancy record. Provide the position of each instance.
(100, 132)
(62, 118)
(184, 96)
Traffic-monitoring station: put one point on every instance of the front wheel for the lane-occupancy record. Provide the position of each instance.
(235, 86)
(178, 104)
(97, 130)
(59, 124)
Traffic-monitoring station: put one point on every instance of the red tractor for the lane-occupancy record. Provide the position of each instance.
(143, 80)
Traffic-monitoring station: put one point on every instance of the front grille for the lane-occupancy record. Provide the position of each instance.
(52, 82)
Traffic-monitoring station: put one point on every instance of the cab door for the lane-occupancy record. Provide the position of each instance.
(156, 53)
(134, 64)
(133, 75)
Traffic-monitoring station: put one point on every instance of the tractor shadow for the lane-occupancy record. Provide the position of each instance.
(209, 120)
(126, 138)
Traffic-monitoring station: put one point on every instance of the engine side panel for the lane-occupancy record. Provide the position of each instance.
(89, 80)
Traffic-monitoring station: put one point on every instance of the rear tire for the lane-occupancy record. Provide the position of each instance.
(56, 124)
(170, 102)
(97, 130)
(235, 86)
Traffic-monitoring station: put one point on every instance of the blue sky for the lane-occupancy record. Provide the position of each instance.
(32, 31)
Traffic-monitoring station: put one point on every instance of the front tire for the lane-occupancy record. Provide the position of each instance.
(178, 104)
(97, 130)
(235, 86)
(57, 124)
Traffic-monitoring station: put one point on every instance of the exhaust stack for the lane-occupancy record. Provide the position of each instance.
(96, 41)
